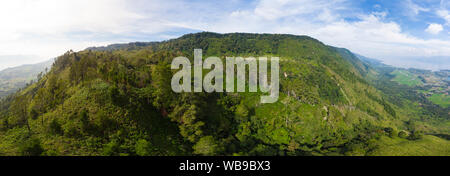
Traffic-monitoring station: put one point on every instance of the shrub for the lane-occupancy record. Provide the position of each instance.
(55, 127)
(112, 148)
(31, 147)
(50, 153)
(34, 114)
(403, 134)
(104, 123)
(416, 135)
(72, 132)
(391, 132)
(143, 148)
(86, 126)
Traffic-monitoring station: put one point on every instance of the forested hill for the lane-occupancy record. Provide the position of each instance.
(117, 100)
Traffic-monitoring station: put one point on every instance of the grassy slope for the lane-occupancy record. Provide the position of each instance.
(441, 99)
(404, 77)
(428, 146)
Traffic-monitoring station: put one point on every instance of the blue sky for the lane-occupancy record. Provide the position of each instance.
(397, 32)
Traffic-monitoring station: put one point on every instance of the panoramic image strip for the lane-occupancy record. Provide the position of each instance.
(224, 79)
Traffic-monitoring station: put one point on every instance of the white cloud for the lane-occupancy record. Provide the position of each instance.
(375, 38)
(50, 27)
(40, 27)
(414, 8)
(370, 35)
(434, 28)
(444, 14)
(275, 9)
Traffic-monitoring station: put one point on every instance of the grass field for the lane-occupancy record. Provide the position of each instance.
(428, 146)
(441, 99)
(404, 77)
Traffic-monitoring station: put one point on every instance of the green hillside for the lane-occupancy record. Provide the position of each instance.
(428, 146)
(118, 101)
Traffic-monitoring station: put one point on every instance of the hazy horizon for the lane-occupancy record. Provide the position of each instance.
(438, 62)
(395, 32)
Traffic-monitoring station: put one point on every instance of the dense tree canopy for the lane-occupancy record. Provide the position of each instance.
(118, 101)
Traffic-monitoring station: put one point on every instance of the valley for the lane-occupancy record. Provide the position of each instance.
(13, 79)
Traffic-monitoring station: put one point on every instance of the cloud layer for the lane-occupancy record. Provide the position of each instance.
(48, 28)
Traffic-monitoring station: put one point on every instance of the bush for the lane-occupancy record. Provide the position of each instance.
(110, 149)
(403, 134)
(355, 149)
(104, 123)
(416, 135)
(86, 126)
(50, 153)
(55, 127)
(34, 114)
(143, 148)
(31, 147)
(72, 132)
(242, 111)
(391, 132)
(263, 150)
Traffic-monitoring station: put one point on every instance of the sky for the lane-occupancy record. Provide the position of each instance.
(407, 33)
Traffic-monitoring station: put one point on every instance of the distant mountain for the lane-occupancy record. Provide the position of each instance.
(434, 63)
(370, 61)
(12, 79)
(9, 61)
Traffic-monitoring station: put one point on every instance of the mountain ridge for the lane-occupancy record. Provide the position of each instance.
(117, 101)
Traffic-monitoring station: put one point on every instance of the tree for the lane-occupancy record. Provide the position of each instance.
(190, 126)
(34, 114)
(19, 109)
(86, 125)
(290, 108)
(190, 111)
(162, 93)
(206, 146)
